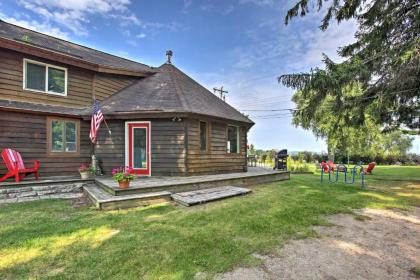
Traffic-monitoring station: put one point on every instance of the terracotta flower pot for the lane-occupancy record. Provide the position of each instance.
(124, 184)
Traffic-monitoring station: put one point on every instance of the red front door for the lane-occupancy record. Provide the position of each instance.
(138, 147)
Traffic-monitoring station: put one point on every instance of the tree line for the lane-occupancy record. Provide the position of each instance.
(366, 106)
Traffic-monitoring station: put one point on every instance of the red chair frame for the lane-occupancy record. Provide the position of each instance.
(16, 167)
(328, 166)
(370, 168)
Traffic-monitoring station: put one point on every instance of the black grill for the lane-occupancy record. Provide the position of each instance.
(280, 160)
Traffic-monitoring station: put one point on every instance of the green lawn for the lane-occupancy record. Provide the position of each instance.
(51, 239)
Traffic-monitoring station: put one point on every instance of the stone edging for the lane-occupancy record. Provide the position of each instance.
(47, 191)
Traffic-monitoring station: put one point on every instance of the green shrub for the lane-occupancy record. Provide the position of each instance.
(299, 165)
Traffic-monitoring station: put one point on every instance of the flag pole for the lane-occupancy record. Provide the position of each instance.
(109, 130)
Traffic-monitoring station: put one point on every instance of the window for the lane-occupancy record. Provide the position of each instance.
(232, 139)
(63, 136)
(203, 136)
(44, 77)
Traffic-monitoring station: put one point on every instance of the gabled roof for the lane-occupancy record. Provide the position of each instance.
(29, 37)
(170, 90)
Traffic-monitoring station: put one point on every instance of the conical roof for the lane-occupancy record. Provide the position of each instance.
(170, 90)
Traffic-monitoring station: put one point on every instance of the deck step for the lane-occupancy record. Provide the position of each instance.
(106, 201)
(205, 195)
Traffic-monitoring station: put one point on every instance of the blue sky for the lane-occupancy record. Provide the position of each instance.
(240, 44)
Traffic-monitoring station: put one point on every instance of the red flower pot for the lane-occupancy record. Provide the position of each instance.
(124, 184)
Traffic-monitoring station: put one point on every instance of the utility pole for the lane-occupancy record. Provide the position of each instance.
(221, 92)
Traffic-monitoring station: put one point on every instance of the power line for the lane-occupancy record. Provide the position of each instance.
(271, 118)
(261, 103)
(264, 99)
(270, 110)
(264, 103)
(272, 115)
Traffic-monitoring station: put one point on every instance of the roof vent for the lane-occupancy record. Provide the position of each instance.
(169, 54)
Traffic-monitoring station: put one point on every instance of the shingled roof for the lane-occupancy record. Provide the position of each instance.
(165, 89)
(170, 90)
(27, 36)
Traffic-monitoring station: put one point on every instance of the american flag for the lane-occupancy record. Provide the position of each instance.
(95, 122)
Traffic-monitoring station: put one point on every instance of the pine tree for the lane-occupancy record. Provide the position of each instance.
(384, 61)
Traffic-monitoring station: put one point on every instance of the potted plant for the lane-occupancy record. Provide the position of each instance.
(85, 170)
(123, 176)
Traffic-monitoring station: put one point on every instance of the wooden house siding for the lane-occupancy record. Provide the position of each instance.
(105, 85)
(79, 89)
(167, 147)
(81, 84)
(26, 133)
(215, 159)
(175, 149)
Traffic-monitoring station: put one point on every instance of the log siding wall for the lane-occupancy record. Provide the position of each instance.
(81, 84)
(174, 146)
(105, 85)
(215, 159)
(27, 133)
(167, 147)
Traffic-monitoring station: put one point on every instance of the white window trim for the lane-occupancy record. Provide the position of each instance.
(237, 139)
(25, 61)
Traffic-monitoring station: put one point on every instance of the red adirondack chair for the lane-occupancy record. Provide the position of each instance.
(16, 166)
(329, 165)
(370, 167)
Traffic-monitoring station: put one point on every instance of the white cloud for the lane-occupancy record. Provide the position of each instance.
(187, 4)
(126, 20)
(141, 35)
(172, 26)
(74, 14)
(37, 26)
(274, 44)
(260, 3)
(207, 7)
(314, 44)
(228, 10)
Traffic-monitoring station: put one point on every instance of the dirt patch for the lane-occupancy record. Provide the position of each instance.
(385, 244)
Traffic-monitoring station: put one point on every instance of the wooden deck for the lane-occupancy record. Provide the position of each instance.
(254, 175)
(105, 194)
(203, 196)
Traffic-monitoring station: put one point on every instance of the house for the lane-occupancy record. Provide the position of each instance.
(162, 122)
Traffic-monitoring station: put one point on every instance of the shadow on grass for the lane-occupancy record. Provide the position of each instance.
(55, 240)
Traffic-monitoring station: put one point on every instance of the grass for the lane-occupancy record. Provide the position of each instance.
(53, 240)
(416, 271)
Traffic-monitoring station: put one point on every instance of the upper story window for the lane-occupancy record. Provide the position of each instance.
(203, 136)
(44, 77)
(232, 139)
